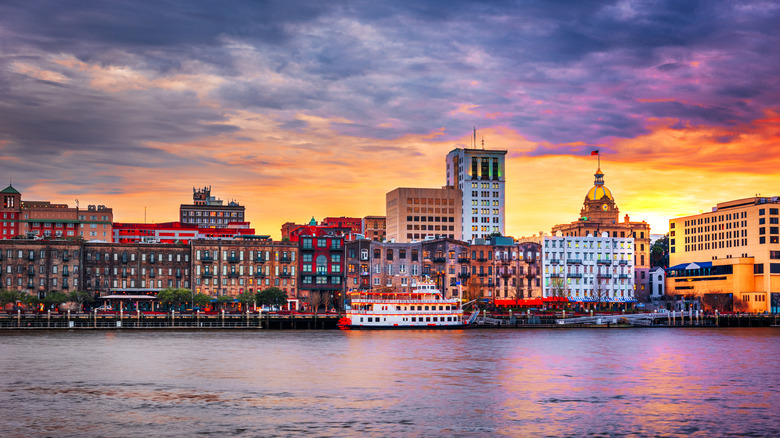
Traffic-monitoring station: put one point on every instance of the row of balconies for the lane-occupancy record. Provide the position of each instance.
(233, 259)
(233, 274)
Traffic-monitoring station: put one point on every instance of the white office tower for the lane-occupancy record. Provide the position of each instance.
(479, 173)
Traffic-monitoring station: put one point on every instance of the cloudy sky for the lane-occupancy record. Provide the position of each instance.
(300, 109)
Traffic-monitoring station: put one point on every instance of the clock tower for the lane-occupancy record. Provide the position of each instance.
(599, 205)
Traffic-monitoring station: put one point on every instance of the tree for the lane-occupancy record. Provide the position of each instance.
(314, 299)
(31, 300)
(473, 290)
(717, 300)
(55, 299)
(272, 296)
(600, 293)
(79, 297)
(659, 252)
(518, 292)
(174, 297)
(7, 297)
(201, 300)
(557, 287)
(223, 301)
(246, 298)
(739, 305)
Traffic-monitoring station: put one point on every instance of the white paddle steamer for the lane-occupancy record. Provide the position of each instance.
(423, 307)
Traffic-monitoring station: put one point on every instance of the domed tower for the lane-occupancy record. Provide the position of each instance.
(599, 205)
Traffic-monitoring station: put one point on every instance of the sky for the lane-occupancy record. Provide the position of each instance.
(300, 109)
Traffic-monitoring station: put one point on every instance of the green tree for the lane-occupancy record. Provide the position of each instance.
(174, 297)
(659, 252)
(273, 296)
(7, 297)
(31, 300)
(201, 300)
(79, 297)
(224, 300)
(55, 299)
(247, 298)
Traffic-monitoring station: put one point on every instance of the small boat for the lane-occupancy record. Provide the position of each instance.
(423, 307)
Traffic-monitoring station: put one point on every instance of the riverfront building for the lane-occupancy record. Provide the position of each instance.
(503, 271)
(321, 265)
(244, 265)
(44, 220)
(419, 213)
(600, 214)
(496, 271)
(208, 211)
(589, 270)
(733, 249)
(480, 175)
(40, 266)
(373, 266)
(136, 269)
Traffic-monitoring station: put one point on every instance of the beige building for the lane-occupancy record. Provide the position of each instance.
(735, 248)
(600, 214)
(417, 214)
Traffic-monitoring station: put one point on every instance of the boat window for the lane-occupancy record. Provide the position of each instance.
(397, 307)
(414, 319)
(428, 318)
(361, 319)
(370, 319)
(426, 307)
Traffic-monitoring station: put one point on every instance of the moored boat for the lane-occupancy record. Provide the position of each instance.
(423, 307)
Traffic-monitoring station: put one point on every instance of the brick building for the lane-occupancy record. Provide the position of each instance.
(135, 269)
(40, 266)
(321, 265)
(232, 267)
(375, 228)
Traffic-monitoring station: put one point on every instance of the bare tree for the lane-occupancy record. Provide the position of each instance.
(314, 299)
(557, 287)
(518, 293)
(473, 290)
(739, 305)
(717, 300)
(600, 293)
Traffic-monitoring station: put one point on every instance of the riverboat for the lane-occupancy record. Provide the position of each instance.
(423, 307)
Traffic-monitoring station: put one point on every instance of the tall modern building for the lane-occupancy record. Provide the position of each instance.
(479, 174)
(208, 211)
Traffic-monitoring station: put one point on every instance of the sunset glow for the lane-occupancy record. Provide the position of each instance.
(301, 110)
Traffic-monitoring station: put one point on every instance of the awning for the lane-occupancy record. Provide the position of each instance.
(528, 302)
(128, 297)
(689, 266)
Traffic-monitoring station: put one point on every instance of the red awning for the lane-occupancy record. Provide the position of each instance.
(555, 300)
(529, 302)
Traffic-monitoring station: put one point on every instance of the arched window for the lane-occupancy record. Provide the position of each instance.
(322, 264)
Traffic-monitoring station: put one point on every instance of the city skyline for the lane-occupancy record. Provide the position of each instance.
(300, 110)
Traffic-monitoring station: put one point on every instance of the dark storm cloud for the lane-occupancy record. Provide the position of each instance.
(558, 72)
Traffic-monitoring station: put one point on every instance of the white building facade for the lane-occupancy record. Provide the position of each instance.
(480, 174)
(588, 269)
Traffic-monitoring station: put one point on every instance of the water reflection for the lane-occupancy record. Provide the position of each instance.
(669, 382)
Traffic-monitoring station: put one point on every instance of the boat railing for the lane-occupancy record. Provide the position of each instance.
(408, 312)
(410, 302)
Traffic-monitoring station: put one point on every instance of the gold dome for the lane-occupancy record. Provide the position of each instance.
(598, 192)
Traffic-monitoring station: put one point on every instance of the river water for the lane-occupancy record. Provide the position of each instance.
(538, 382)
